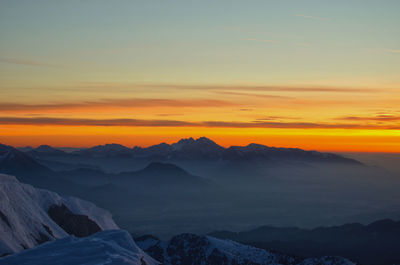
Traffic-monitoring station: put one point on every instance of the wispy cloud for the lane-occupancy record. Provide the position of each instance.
(25, 62)
(258, 95)
(177, 123)
(380, 118)
(169, 114)
(93, 122)
(312, 17)
(94, 87)
(273, 118)
(266, 88)
(107, 104)
(295, 125)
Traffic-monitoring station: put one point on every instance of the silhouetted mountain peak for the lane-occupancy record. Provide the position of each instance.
(20, 164)
(165, 168)
(186, 140)
(200, 148)
(105, 150)
(5, 149)
(384, 223)
(202, 141)
(48, 149)
(205, 140)
(256, 146)
(112, 146)
(160, 145)
(25, 148)
(183, 144)
(44, 147)
(163, 176)
(17, 156)
(157, 149)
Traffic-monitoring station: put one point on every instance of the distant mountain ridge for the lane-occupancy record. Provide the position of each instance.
(104, 150)
(13, 161)
(204, 149)
(377, 243)
(155, 176)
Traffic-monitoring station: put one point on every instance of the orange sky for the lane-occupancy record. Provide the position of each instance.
(310, 117)
(314, 76)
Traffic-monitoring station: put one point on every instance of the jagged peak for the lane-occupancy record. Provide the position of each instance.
(202, 141)
(186, 140)
(5, 148)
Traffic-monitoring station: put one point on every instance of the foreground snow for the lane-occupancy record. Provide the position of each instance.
(106, 247)
(24, 218)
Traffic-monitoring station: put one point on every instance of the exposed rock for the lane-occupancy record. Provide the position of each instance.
(74, 224)
(5, 219)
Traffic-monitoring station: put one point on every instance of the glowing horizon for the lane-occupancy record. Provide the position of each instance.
(308, 75)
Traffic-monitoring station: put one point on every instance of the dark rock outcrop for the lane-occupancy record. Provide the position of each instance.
(4, 218)
(74, 224)
(42, 238)
(48, 230)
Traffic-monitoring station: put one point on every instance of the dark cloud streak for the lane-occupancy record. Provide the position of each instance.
(117, 103)
(25, 62)
(380, 117)
(177, 123)
(265, 88)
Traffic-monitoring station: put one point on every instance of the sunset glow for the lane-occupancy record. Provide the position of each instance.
(294, 80)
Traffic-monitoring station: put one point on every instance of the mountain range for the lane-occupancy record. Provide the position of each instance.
(184, 152)
(195, 185)
(204, 148)
(28, 168)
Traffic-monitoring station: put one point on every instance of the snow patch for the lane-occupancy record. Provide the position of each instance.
(26, 209)
(106, 247)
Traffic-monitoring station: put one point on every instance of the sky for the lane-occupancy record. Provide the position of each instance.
(321, 75)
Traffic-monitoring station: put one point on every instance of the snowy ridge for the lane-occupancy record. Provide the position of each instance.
(25, 221)
(206, 250)
(240, 252)
(329, 260)
(106, 247)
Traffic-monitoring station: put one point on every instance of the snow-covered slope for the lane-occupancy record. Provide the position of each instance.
(25, 221)
(106, 247)
(205, 250)
(328, 260)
